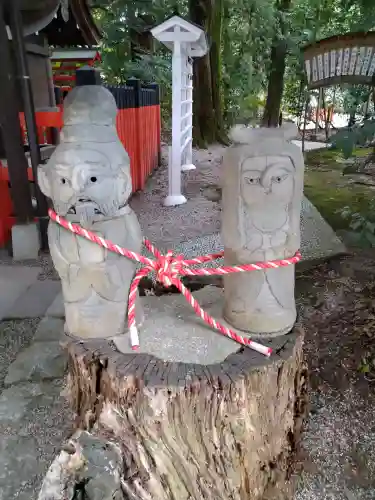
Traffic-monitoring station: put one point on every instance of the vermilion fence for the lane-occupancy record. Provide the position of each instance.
(138, 126)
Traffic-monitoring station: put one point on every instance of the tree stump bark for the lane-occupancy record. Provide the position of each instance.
(194, 432)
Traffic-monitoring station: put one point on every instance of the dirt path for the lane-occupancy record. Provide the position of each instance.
(337, 305)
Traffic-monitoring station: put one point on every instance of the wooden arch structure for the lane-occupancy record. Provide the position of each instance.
(348, 58)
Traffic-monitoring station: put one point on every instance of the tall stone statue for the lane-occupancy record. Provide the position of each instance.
(88, 180)
(262, 193)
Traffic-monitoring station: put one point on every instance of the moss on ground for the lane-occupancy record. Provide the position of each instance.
(329, 190)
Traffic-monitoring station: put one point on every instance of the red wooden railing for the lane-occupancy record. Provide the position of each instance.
(138, 130)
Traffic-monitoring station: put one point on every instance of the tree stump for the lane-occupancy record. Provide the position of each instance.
(194, 432)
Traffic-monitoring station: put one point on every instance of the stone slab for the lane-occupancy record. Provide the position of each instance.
(16, 401)
(318, 240)
(173, 332)
(25, 241)
(311, 145)
(56, 309)
(19, 462)
(40, 361)
(34, 302)
(50, 329)
(14, 281)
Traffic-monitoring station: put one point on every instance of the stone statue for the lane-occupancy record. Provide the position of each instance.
(88, 180)
(262, 193)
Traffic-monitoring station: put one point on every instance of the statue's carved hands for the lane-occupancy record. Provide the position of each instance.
(246, 256)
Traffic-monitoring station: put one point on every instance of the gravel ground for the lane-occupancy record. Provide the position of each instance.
(14, 336)
(44, 262)
(47, 426)
(166, 225)
(39, 434)
(340, 445)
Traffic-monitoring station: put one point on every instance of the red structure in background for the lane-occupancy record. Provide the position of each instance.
(66, 62)
(138, 127)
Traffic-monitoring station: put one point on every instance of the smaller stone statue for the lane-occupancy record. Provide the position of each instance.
(88, 180)
(262, 193)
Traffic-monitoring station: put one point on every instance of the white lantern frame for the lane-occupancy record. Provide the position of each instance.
(186, 41)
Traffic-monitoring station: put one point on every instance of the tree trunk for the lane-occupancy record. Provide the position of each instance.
(227, 431)
(226, 54)
(208, 124)
(276, 77)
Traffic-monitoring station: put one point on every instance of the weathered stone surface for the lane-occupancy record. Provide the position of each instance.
(14, 401)
(18, 463)
(15, 280)
(173, 332)
(56, 309)
(50, 329)
(34, 302)
(40, 361)
(262, 183)
(88, 179)
(318, 238)
(25, 241)
(101, 473)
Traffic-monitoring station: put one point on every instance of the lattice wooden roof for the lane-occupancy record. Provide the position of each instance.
(348, 58)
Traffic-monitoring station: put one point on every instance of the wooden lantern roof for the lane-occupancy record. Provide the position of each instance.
(348, 58)
(177, 29)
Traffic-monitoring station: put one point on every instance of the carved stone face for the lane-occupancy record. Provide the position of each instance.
(267, 179)
(267, 188)
(84, 185)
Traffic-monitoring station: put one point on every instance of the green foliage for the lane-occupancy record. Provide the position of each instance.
(249, 29)
(123, 57)
(330, 191)
(346, 140)
(362, 226)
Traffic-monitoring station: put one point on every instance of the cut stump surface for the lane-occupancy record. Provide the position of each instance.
(196, 432)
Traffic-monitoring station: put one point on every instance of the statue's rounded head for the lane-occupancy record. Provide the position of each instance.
(262, 182)
(87, 182)
(90, 105)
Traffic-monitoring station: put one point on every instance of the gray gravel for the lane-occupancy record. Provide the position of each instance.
(14, 336)
(28, 443)
(44, 261)
(166, 226)
(340, 442)
(46, 425)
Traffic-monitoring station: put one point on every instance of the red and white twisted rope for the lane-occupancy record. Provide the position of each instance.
(167, 268)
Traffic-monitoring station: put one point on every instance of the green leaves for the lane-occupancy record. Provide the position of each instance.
(249, 29)
(346, 140)
(363, 227)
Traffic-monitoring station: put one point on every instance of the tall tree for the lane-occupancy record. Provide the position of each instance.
(208, 125)
(271, 115)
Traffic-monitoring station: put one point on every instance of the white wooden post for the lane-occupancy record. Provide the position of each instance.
(187, 116)
(175, 197)
(185, 40)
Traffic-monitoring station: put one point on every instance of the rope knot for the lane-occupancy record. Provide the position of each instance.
(167, 268)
